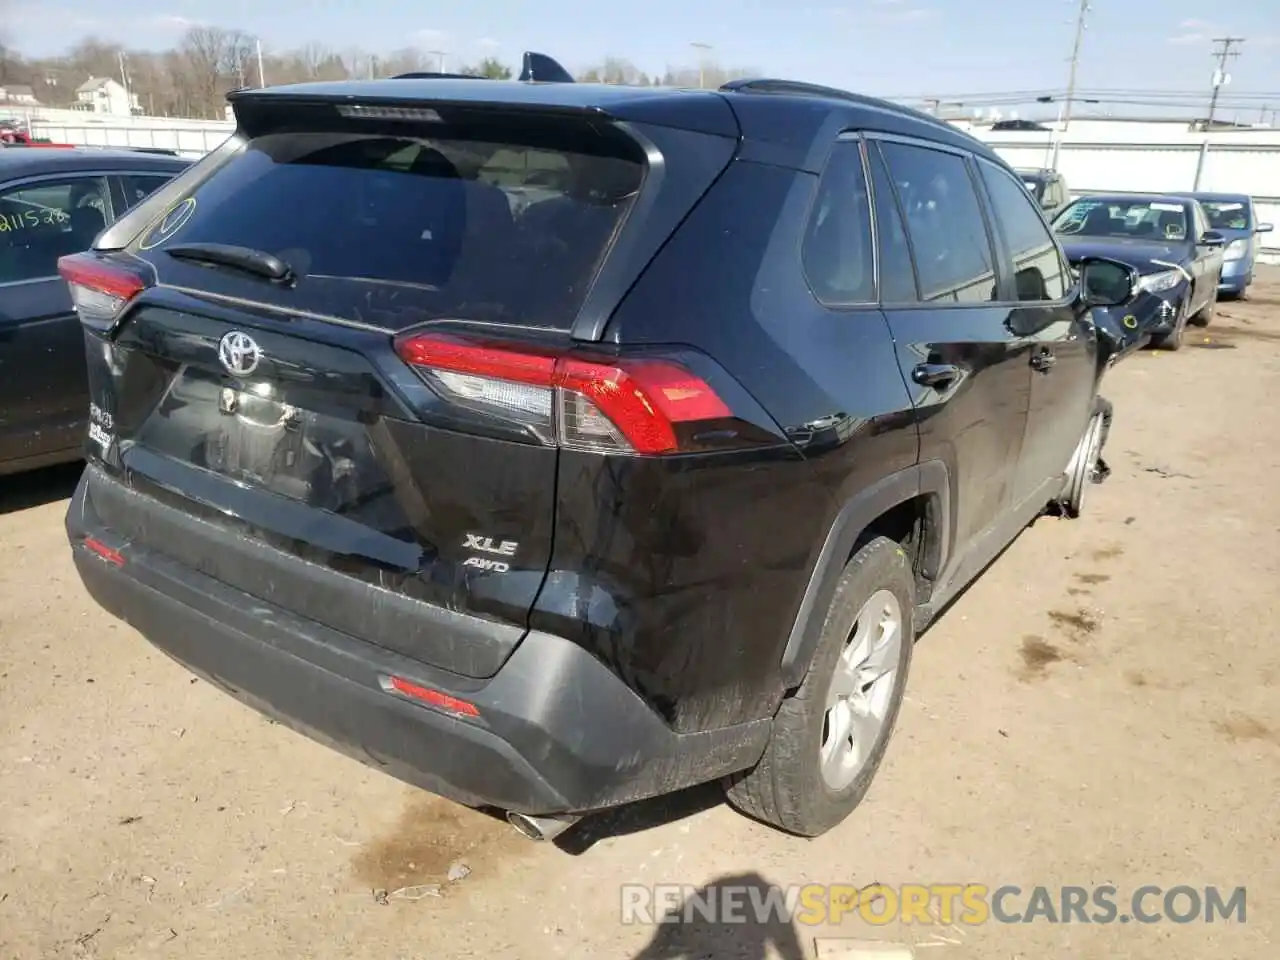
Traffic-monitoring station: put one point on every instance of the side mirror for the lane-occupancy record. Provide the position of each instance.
(1264, 228)
(1106, 283)
(1212, 238)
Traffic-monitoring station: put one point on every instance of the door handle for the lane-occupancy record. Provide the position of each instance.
(1043, 362)
(937, 375)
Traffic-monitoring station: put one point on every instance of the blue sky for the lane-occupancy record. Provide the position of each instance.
(883, 47)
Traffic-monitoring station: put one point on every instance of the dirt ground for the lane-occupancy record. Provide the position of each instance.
(1102, 707)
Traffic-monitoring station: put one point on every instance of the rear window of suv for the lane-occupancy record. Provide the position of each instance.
(480, 228)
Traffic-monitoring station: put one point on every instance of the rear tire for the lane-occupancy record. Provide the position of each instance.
(812, 774)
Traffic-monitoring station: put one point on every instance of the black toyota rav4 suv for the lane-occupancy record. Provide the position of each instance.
(552, 445)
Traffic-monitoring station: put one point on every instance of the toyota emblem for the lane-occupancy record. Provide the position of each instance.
(239, 353)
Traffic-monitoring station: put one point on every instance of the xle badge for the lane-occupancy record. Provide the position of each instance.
(504, 548)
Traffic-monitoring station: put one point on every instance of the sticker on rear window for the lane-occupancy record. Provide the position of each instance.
(172, 221)
(1167, 207)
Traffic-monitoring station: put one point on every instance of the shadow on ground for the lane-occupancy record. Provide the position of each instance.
(693, 929)
(38, 487)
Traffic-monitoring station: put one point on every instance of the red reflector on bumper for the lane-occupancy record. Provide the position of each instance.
(431, 697)
(105, 552)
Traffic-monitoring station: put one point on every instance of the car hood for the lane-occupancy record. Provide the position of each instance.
(1139, 254)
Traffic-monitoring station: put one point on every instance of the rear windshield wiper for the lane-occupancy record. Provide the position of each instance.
(258, 262)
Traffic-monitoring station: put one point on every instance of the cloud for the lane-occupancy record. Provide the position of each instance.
(1185, 39)
(1194, 25)
(884, 13)
(172, 21)
(488, 43)
(436, 37)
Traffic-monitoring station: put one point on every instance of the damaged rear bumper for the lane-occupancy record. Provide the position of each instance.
(554, 731)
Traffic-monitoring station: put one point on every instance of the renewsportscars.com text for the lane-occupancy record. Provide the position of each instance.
(938, 903)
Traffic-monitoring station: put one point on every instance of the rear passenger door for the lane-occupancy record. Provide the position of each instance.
(1063, 340)
(969, 375)
(43, 390)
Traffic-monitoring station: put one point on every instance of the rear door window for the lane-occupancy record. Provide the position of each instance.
(837, 252)
(482, 228)
(897, 275)
(43, 220)
(948, 235)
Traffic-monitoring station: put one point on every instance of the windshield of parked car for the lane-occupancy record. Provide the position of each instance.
(1123, 219)
(1227, 214)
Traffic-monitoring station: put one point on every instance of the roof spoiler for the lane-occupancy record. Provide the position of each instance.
(536, 68)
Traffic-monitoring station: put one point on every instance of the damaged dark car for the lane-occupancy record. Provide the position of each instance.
(1168, 241)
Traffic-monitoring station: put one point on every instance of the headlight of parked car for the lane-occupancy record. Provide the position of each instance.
(1160, 282)
(1236, 249)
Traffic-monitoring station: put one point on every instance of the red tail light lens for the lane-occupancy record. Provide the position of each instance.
(616, 406)
(99, 289)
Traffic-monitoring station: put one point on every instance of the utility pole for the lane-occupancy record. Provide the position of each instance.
(441, 54)
(262, 77)
(702, 49)
(1220, 77)
(1075, 62)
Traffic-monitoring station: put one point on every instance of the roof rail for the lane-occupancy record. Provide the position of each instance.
(536, 68)
(432, 75)
(798, 88)
(795, 88)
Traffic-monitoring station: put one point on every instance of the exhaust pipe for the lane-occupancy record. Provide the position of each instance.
(540, 828)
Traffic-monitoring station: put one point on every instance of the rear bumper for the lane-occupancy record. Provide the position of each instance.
(557, 732)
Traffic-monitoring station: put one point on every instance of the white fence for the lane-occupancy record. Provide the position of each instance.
(1095, 160)
(194, 140)
(1094, 156)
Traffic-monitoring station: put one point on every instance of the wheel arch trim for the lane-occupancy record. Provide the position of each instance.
(857, 513)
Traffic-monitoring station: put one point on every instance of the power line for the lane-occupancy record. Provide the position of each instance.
(1223, 53)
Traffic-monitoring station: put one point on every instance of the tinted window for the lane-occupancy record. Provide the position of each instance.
(40, 222)
(837, 243)
(1227, 214)
(486, 228)
(138, 186)
(1037, 267)
(897, 276)
(952, 249)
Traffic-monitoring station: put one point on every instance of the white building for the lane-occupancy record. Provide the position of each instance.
(18, 95)
(104, 95)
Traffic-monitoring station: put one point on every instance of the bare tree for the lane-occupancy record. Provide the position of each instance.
(490, 67)
(708, 74)
(239, 59)
(405, 60)
(615, 70)
(203, 55)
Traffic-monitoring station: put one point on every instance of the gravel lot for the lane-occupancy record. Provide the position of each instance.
(1102, 707)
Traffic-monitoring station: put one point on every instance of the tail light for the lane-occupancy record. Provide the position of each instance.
(100, 289)
(644, 406)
